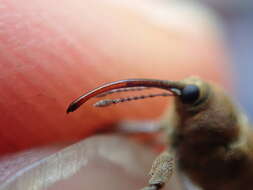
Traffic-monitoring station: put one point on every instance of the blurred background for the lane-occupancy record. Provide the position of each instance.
(51, 53)
(237, 19)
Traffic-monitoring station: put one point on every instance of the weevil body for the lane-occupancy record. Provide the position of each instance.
(208, 136)
(212, 140)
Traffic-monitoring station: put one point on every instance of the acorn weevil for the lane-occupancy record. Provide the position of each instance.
(209, 138)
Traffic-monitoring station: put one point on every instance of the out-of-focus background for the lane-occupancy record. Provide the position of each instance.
(50, 53)
(237, 19)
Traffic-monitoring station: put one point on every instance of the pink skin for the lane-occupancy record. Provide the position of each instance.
(51, 52)
(49, 56)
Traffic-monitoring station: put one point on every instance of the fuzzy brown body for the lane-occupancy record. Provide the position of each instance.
(213, 143)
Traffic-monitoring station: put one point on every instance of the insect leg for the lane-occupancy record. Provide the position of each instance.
(161, 171)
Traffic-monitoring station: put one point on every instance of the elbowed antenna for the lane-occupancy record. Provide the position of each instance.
(108, 102)
(172, 86)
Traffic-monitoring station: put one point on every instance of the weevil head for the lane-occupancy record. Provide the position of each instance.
(205, 114)
(194, 95)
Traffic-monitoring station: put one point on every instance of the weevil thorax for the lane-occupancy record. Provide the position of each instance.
(209, 120)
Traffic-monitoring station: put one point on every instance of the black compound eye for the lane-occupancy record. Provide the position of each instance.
(190, 94)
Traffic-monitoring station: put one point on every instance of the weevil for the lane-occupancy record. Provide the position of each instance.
(209, 138)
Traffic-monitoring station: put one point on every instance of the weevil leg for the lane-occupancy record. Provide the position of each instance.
(161, 171)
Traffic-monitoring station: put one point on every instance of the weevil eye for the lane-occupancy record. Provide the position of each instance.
(190, 94)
